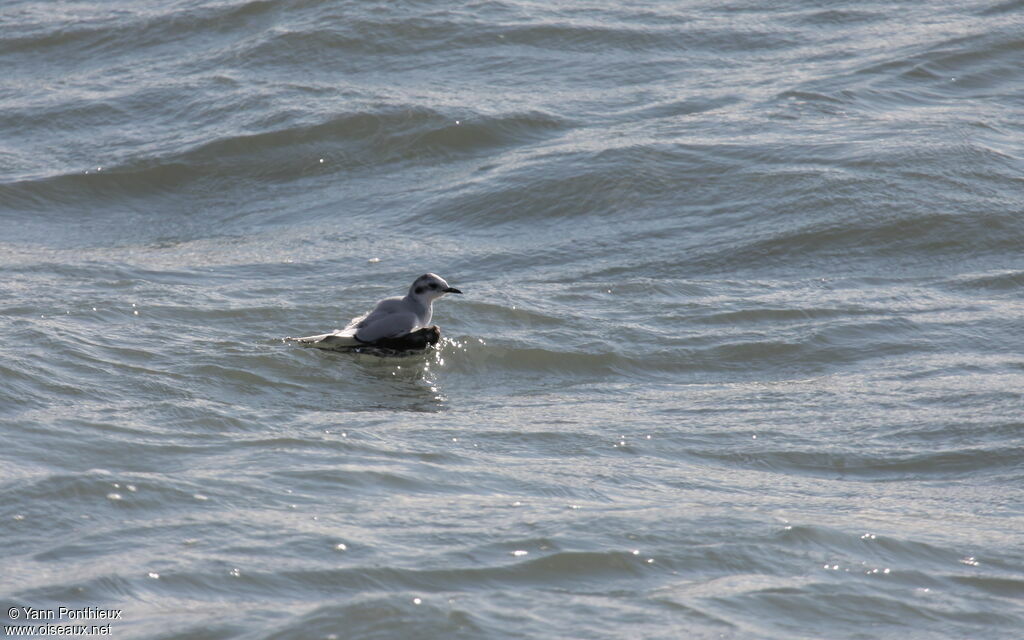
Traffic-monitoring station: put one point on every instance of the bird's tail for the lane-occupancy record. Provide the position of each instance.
(336, 340)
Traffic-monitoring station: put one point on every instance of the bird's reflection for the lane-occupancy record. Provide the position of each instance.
(398, 382)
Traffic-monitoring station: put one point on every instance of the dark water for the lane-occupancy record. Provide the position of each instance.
(741, 353)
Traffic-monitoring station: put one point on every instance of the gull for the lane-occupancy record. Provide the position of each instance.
(392, 321)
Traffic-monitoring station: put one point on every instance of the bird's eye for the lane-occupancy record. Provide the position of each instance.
(433, 285)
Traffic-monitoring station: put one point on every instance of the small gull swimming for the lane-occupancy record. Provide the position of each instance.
(392, 318)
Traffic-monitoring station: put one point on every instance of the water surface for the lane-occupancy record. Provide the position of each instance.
(739, 355)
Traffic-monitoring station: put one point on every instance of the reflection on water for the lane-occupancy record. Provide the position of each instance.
(381, 380)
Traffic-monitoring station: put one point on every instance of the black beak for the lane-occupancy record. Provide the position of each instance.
(452, 290)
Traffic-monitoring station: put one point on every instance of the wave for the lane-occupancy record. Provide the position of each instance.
(1000, 461)
(359, 141)
(926, 74)
(368, 139)
(1002, 281)
(85, 32)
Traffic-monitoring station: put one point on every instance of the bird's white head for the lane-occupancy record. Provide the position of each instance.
(429, 287)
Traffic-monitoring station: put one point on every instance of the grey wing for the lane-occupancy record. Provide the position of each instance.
(385, 324)
(383, 308)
